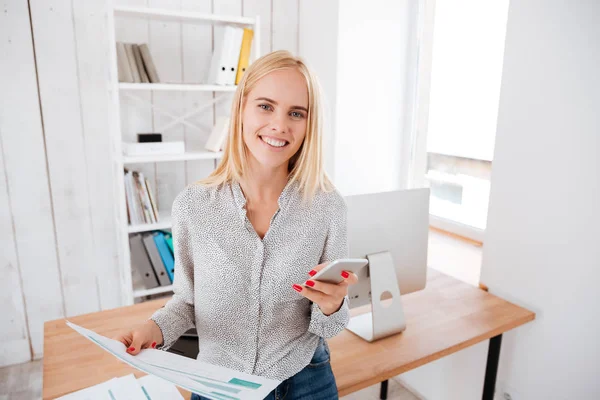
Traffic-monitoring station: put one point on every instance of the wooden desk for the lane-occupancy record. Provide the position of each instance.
(446, 317)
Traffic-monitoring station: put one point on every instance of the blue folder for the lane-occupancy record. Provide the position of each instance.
(165, 254)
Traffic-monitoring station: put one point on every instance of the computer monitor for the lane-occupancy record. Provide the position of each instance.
(395, 222)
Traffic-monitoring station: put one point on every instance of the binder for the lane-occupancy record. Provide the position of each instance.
(140, 63)
(132, 65)
(146, 219)
(130, 210)
(169, 240)
(123, 64)
(155, 259)
(217, 137)
(244, 58)
(217, 72)
(149, 63)
(233, 57)
(170, 244)
(134, 205)
(165, 254)
(152, 202)
(146, 199)
(138, 197)
(141, 262)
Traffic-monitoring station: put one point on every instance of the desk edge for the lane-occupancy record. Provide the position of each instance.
(436, 356)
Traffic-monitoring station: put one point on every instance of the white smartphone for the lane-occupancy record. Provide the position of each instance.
(332, 273)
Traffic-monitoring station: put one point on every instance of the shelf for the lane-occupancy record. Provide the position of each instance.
(156, 290)
(164, 219)
(180, 87)
(187, 156)
(135, 95)
(181, 16)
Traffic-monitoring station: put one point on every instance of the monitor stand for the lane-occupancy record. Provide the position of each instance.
(385, 318)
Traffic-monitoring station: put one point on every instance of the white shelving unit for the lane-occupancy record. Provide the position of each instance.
(184, 16)
(148, 292)
(178, 87)
(164, 222)
(120, 90)
(187, 156)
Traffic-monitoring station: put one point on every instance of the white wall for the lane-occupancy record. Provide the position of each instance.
(373, 75)
(365, 55)
(368, 87)
(541, 249)
(318, 28)
(59, 253)
(544, 221)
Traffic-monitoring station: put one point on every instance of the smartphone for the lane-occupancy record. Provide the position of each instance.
(332, 273)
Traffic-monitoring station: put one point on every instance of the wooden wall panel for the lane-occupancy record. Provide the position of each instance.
(28, 240)
(90, 17)
(14, 347)
(56, 61)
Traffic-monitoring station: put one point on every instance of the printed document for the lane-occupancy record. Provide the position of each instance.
(211, 381)
(148, 387)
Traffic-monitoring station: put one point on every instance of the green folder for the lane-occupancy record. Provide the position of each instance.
(169, 240)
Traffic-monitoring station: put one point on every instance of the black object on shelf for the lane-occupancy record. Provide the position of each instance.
(149, 137)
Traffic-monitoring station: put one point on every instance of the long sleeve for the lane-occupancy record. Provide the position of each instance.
(336, 247)
(177, 316)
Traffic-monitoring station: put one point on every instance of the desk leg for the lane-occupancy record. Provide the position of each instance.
(384, 390)
(491, 368)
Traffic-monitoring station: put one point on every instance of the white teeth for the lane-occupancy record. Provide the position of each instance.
(273, 142)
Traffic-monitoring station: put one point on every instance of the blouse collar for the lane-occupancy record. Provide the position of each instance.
(289, 191)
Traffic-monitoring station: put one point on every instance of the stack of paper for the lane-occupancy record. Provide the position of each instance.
(127, 387)
(210, 381)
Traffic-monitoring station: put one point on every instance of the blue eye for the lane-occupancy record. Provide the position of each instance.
(264, 106)
(296, 114)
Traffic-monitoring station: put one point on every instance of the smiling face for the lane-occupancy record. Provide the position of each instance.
(274, 117)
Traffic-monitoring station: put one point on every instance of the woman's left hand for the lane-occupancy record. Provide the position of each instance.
(328, 296)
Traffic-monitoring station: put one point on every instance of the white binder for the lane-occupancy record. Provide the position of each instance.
(234, 53)
(218, 67)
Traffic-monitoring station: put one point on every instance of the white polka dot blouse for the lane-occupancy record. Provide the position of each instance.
(236, 288)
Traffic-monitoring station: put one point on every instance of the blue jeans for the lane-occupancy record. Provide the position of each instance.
(314, 382)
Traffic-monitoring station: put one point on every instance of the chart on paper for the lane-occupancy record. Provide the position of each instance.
(211, 381)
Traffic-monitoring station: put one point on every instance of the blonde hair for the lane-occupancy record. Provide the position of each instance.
(306, 166)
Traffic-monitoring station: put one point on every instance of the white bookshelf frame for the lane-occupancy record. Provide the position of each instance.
(117, 88)
(187, 156)
(164, 222)
(183, 16)
(148, 292)
(178, 87)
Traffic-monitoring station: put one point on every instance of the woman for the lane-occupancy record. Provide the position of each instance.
(265, 220)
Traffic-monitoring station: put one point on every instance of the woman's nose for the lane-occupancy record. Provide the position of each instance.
(278, 123)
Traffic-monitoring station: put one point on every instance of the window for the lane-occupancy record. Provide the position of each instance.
(466, 68)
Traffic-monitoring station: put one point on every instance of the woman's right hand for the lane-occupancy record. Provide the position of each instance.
(143, 336)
